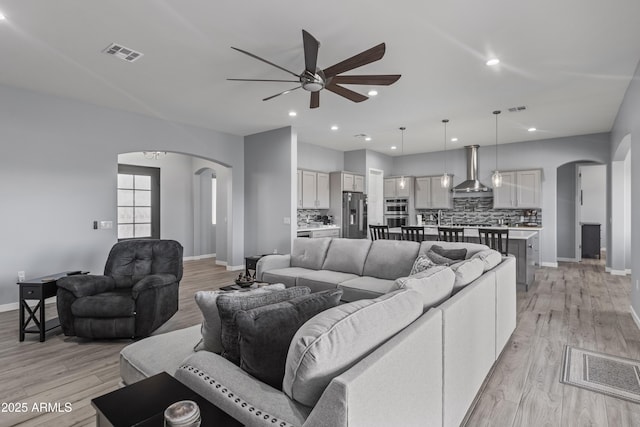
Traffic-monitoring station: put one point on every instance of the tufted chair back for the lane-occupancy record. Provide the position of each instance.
(131, 260)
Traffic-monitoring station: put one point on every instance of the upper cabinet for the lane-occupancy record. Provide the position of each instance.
(393, 187)
(352, 182)
(313, 190)
(520, 189)
(430, 194)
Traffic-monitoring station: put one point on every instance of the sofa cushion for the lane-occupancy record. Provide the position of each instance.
(230, 304)
(390, 259)
(288, 275)
(107, 304)
(434, 285)
(347, 255)
(309, 253)
(365, 288)
(490, 257)
(420, 264)
(150, 356)
(324, 279)
(336, 339)
(456, 254)
(266, 333)
(211, 326)
(472, 248)
(466, 272)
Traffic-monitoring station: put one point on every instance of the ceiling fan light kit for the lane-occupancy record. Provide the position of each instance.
(314, 79)
(496, 178)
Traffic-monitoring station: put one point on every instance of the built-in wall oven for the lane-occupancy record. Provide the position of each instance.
(396, 212)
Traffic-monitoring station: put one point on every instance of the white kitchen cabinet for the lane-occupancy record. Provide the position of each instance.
(520, 189)
(322, 190)
(313, 190)
(430, 194)
(393, 187)
(352, 182)
(358, 183)
(330, 232)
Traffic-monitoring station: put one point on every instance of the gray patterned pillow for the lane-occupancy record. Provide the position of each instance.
(454, 254)
(230, 304)
(439, 259)
(422, 263)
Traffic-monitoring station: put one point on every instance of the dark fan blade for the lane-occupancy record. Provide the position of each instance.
(261, 80)
(380, 80)
(315, 100)
(311, 46)
(264, 60)
(363, 58)
(347, 93)
(281, 93)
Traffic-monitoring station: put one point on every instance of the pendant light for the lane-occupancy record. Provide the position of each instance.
(445, 179)
(402, 180)
(496, 178)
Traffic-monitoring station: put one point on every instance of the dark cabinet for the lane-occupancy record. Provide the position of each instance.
(590, 240)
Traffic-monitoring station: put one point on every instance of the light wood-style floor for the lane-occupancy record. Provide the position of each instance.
(574, 304)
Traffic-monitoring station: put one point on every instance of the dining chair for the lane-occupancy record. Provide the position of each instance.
(379, 232)
(413, 233)
(497, 239)
(451, 234)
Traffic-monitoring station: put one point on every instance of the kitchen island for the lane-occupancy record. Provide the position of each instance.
(523, 245)
(314, 231)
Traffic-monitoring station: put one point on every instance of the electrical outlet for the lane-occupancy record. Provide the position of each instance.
(286, 220)
(21, 276)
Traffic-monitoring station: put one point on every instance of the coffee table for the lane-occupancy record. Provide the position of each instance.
(143, 404)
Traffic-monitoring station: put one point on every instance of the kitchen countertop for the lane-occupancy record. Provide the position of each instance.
(318, 227)
(515, 233)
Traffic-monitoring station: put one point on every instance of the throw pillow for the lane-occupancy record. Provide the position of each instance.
(230, 304)
(336, 339)
(439, 259)
(490, 257)
(421, 263)
(434, 285)
(455, 254)
(266, 333)
(466, 272)
(210, 329)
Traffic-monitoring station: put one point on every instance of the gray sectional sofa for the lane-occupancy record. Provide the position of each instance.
(426, 374)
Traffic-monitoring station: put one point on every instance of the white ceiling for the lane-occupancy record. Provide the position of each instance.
(568, 61)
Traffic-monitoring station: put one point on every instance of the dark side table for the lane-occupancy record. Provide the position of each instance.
(39, 288)
(251, 263)
(143, 404)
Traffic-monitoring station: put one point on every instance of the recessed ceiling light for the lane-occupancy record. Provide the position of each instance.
(334, 127)
(292, 114)
(2, 17)
(532, 129)
(367, 138)
(393, 147)
(493, 61)
(454, 139)
(372, 93)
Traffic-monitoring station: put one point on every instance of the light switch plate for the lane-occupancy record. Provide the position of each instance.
(106, 225)
(287, 220)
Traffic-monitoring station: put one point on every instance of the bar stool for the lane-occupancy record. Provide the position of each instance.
(497, 239)
(451, 234)
(379, 232)
(413, 233)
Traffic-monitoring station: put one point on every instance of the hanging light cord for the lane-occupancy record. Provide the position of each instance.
(402, 141)
(496, 114)
(445, 121)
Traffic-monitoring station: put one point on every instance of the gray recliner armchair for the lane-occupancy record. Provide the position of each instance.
(137, 293)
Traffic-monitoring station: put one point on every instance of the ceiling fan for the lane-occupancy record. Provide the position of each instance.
(313, 79)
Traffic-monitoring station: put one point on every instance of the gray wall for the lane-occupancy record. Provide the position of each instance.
(627, 122)
(545, 154)
(58, 172)
(319, 158)
(356, 161)
(566, 213)
(270, 191)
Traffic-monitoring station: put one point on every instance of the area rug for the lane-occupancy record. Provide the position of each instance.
(603, 373)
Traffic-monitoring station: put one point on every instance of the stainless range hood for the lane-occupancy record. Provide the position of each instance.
(472, 187)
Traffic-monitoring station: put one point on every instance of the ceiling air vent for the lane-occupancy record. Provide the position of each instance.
(122, 52)
(517, 109)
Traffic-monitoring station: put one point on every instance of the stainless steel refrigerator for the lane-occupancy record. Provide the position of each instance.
(354, 215)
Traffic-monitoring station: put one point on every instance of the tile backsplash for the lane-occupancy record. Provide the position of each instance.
(479, 210)
(303, 214)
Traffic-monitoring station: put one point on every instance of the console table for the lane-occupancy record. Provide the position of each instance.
(143, 404)
(40, 289)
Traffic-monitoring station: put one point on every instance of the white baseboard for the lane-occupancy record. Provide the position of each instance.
(568, 260)
(9, 307)
(618, 272)
(549, 264)
(198, 257)
(222, 263)
(635, 317)
(628, 271)
(235, 267)
(607, 269)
